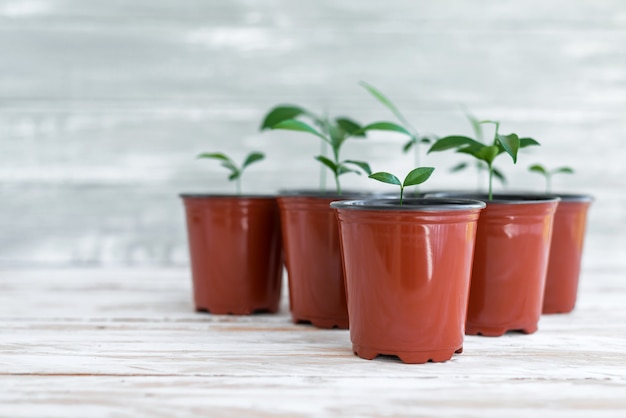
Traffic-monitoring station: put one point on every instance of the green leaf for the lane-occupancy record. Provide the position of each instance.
(226, 162)
(342, 169)
(527, 142)
(361, 164)
(564, 170)
(296, 125)
(386, 126)
(459, 167)
(252, 158)
(380, 97)
(486, 153)
(409, 144)
(385, 178)
(350, 127)
(281, 113)
(234, 175)
(538, 168)
(427, 140)
(453, 141)
(418, 176)
(328, 163)
(499, 175)
(337, 136)
(511, 144)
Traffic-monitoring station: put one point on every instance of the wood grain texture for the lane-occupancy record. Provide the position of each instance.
(121, 343)
(104, 105)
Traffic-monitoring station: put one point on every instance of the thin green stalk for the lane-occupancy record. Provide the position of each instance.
(323, 151)
(238, 185)
(401, 194)
(548, 183)
(490, 182)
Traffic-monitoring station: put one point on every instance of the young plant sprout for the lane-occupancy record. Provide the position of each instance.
(479, 165)
(235, 172)
(332, 133)
(415, 177)
(501, 144)
(404, 127)
(547, 174)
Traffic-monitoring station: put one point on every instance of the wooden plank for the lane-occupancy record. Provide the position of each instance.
(127, 342)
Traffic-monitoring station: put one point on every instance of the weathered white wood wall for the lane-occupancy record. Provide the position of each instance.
(104, 105)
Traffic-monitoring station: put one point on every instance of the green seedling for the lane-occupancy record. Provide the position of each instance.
(479, 165)
(415, 177)
(547, 174)
(235, 171)
(333, 134)
(509, 144)
(403, 128)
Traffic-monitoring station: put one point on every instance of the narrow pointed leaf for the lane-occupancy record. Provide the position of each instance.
(527, 142)
(564, 170)
(252, 158)
(385, 178)
(296, 125)
(386, 126)
(427, 140)
(350, 127)
(511, 144)
(361, 164)
(499, 175)
(538, 168)
(418, 176)
(409, 144)
(214, 156)
(328, 163)
(281, 113)
(342, 169)
(226, 162)
(453, 141)
(459, 167)
(234, 175)
(380, 97)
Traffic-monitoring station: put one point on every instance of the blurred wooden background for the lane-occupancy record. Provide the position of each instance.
(104, 106)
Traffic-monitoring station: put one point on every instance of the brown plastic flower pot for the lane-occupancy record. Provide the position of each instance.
(510, 264)
(236, 254)
(313, 259)
(407, 272)
(566, 250)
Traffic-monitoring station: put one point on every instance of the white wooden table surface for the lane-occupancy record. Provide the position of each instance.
(127, 343)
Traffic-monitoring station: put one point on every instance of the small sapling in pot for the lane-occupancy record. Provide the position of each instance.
(309, 226)
(407, 265)
(512, 243)
(235, 246)
(568, 236)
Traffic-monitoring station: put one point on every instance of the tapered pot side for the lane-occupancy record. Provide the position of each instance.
(510, 263)
(568, 237)
(407, 275)
(236, 253)
(317, 292)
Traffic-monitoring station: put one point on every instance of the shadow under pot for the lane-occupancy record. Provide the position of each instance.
(510, 263)
(317, 292)
(236, 254)
(407, 270)
(568, 236)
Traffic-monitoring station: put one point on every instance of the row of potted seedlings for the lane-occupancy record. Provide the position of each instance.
(409, 276)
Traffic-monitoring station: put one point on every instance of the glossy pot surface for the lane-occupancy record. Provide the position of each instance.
(510, 265)
(407, 274)
(236, 253)
(313, 260)
(568, 236)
